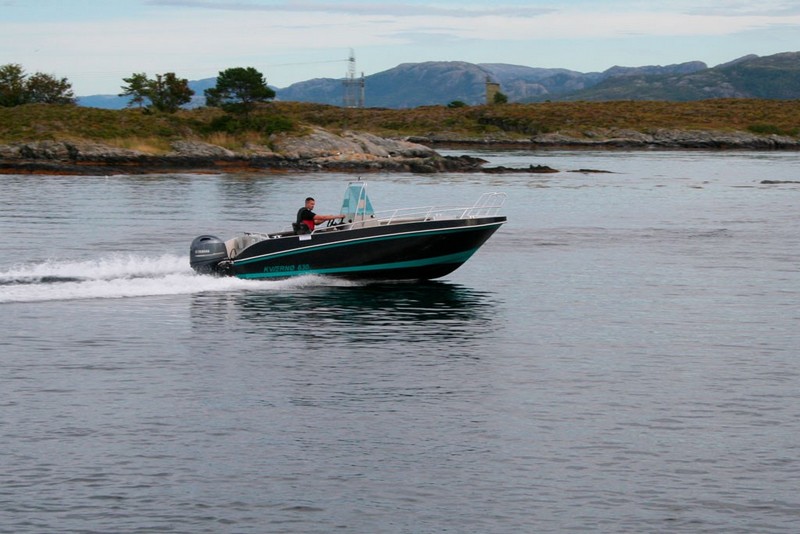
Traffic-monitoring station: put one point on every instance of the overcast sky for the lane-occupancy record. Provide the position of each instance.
(95, 43)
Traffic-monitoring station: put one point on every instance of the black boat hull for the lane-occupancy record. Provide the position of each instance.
(407, 251)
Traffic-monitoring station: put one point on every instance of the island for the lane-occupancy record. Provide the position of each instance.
(291, 136)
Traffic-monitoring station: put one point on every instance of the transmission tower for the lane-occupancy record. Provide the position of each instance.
(353, 87)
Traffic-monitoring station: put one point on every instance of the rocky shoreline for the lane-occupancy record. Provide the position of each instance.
(662, 138)
(355, 152)
(318, 151)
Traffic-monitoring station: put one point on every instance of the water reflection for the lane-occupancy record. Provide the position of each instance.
(355, 314)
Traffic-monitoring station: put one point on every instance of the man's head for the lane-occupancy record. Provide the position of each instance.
(310, 203)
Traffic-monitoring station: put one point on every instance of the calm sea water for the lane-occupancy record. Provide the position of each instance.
(622, 356)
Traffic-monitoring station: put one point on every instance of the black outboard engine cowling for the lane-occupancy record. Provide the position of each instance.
(206, 252)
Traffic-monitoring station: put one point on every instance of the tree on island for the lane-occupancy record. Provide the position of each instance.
(238, 90)
(137, 89)
(165, 92)
(17, 88)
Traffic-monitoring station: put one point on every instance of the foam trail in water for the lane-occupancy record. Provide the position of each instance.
(104, 268)
(120, 276)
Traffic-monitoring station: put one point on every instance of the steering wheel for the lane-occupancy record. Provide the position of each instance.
(332, 222)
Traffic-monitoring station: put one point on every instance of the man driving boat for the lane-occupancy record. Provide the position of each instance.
(307, 217)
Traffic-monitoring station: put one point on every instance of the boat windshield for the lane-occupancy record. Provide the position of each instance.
(356, 204)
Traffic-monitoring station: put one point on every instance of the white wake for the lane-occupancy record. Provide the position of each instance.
(119, 276)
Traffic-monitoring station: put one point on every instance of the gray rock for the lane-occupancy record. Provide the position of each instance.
(317, 144)
(65, 151)
(96, 151)
(370, 144)
(720, 139)
(384, 147)
(198, 149)
(9, 152)
(51, 150)
(668, 138)
(253, 149)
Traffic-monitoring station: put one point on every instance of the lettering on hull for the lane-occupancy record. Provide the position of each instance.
(286, 268)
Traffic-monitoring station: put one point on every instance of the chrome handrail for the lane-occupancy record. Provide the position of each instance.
(486, 206)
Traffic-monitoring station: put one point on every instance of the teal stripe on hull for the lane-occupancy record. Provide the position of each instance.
(349, 242)
(460, 257)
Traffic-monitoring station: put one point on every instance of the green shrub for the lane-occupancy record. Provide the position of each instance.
(237, 124)
(765, 129)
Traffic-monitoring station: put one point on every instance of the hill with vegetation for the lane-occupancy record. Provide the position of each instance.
(153, 131)
(291, 135)
(439, 83)
(770, 77)
(413, 85)
(130, 127)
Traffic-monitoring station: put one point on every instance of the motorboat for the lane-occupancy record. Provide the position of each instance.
(401, 244)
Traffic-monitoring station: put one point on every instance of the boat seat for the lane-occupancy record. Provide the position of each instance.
(300, 228)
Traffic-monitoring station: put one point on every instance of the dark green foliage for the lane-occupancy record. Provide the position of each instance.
(522, 125)
(12, 85)
(169, 93)
(262, 124)
(47, 89)
(165, 92)
(500, 98)
(766, 129)
(456, 104)
(238, 90)
(17, 88)
(137, 89)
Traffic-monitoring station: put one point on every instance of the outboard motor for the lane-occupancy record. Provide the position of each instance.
(205, 254)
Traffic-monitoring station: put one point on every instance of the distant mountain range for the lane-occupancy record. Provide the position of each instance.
(441, 82)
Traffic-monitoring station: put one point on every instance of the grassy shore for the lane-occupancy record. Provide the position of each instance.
(153, 132)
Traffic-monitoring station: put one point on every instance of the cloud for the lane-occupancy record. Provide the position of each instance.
(464, 10)
(198, 38)
(746, 8)
(512, 21)
(478, 9)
